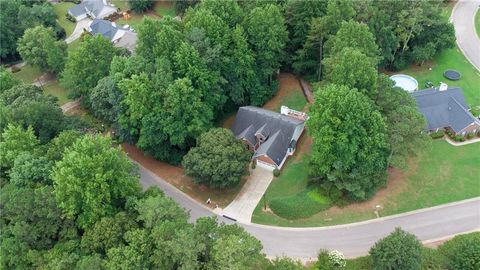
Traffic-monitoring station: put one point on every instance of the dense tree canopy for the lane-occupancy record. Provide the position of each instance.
(87, 65)
(7, 80)
(218, 160)
(349, 142)
(405, 124)
(399, 250)
(16, 16)
(93, 180)
(39, 47)
(140, 5)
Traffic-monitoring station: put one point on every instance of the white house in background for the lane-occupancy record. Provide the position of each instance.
(96, 9)
(120, 36)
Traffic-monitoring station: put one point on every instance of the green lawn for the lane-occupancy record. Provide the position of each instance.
(61, 9)
(293, 100)
(135, 19)
(444, 174)
(56, 90)
(449, 59)
(477, 22)
(121, 4)
(74, 45)
(165, 8)
(28, 73)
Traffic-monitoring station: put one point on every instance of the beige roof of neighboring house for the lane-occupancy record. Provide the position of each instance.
(128, 40)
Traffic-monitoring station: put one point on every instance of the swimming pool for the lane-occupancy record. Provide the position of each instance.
(407, 83)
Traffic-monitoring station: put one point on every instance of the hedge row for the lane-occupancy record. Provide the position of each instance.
(437, 134)
(301, 205)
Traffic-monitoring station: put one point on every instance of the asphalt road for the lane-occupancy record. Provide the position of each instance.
(463, 17)
(351, 239)
(356, 239)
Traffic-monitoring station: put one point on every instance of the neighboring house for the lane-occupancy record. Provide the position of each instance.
(270, 135)
(120, 36)
(445, 107)
(95, 9)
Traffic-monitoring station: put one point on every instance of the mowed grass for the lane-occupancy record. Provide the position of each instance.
(121, 4)
(61, 9)
(165, 8)
(56, 90)
(134, 20)
(444, 174)
(293, 100)
(449, 59)
(28, 73)
(74, 45)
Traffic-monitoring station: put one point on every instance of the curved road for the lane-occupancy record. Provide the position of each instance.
(463, 18)
(351, 239)
(356, 239)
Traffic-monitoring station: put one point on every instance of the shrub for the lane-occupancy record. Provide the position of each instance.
(70, 17)
(301, 205)
(400, 250)
(470, 135)
(15, 69)
(324, 262)
(437, 134)
(459, 138)
(478, 133)
(450, 134)
(462, 252)
(276, 172)
(337, 258)
(432, 259)
(254, 165)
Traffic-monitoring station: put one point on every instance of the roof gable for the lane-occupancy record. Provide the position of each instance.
(277, 129)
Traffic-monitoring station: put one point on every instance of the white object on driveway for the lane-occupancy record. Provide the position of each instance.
(242, 207)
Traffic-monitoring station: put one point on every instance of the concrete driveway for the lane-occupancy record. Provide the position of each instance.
(463, 19)
(77, 32)
(244, 204)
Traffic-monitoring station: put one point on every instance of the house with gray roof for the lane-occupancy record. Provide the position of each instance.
(92, 8)
(270, 135)
(120, 36)
(446, 108)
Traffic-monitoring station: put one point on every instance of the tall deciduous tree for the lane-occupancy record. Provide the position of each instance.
(185, 115)
(267, 35)
(399, 250)
(355, 35)
(93, 180)
(39, 47)
(405, 124)
(87, 65)
(349, 143)
(218, 160)
(352, 68)
(14, 141)
(309, 57)
(7, 80)
(140, 5)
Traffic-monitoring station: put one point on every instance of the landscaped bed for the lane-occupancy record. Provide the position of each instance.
(442, 174)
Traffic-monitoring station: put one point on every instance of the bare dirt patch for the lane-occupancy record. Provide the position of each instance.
(397, 182)
(175, 176)
(287, 83)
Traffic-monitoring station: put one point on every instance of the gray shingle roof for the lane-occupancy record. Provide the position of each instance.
(277, 128)
(104, 28)
(444, 108)
(78, 9)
